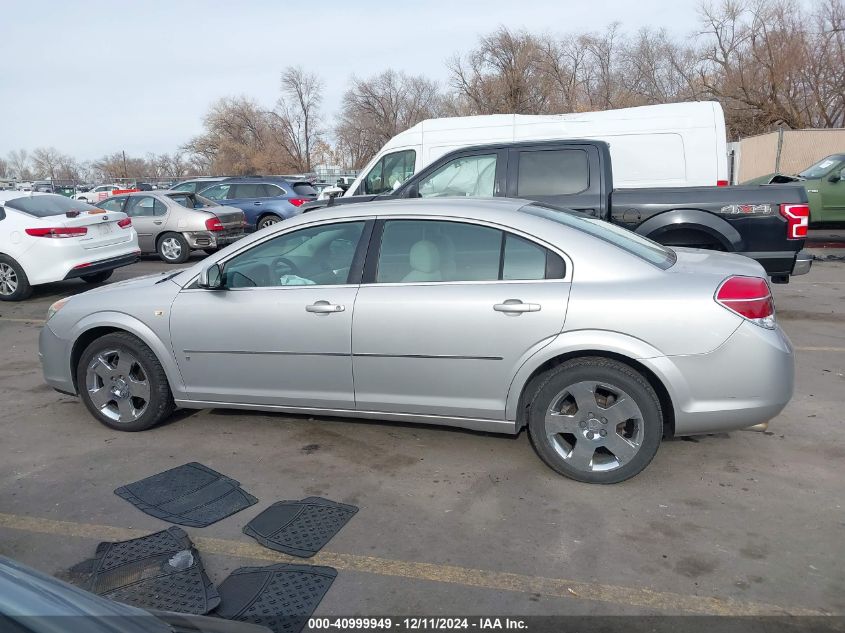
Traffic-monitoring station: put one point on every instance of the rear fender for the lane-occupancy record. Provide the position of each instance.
(693, 219)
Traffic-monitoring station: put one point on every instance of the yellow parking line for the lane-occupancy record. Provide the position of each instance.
(640, 597)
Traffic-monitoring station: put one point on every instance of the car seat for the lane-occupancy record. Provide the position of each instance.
(425, 262)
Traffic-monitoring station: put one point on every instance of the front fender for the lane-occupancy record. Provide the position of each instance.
(714, 226)
(121, 321)
(581, 342)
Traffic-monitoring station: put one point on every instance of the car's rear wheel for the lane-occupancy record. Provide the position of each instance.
(268, 220)
(14, 284)
(96, 278)
(595, 420)
(123, 384)
(173, 248)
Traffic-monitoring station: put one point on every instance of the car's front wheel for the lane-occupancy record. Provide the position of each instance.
(595, 420)
(14, 284)
(96, 278)
(173, 248)
(123, 384)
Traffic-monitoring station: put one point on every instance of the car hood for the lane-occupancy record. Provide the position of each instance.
(700, 261)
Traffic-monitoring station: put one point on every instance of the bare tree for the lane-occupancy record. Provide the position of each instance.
(45, 162)
(296, 117)
(19, 164)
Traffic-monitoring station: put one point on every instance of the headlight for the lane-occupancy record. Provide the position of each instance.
(56, 307)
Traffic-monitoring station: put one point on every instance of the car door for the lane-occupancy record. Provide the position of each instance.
(447, 313)
(564, 175)
(279, 333)
(149, 216)
(832, 190)
(474, 173)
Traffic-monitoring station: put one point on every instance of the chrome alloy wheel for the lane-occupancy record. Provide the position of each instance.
(118, 385)
(270, 220)
(171, 248)
(594, 426)
(8, 280)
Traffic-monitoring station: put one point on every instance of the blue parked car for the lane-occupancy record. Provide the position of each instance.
(264, 200)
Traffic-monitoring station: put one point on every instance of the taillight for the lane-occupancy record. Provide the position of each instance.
(797, 217)
(58, 231)
(722, 183)
(213, 224)
(750, 298)
(298, 201)
(124, 223)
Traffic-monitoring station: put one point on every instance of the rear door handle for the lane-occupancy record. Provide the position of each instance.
(257, 203)
(157, 222)
(515, 306)
(324, 307)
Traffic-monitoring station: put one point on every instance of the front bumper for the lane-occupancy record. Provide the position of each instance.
(54, 354)
(746, 381)
(103, 265)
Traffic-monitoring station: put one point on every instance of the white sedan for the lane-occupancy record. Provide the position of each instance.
(47, 237)
(97, 194)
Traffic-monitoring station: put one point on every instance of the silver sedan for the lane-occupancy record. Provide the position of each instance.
(494, 315)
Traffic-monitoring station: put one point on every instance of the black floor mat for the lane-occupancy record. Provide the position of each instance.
(192, 495)
(300, 528)
(158, 571)
(280, 597)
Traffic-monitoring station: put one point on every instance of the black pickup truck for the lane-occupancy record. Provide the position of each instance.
(767, 223)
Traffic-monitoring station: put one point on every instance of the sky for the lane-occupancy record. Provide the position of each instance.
(92, 77)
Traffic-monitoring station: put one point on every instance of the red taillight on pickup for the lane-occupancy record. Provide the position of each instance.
(58, 231)
(125, 223)
(750, 298)
(298, 202)
(797, 218)
(214, 224)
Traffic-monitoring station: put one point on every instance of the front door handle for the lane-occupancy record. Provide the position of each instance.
(324, 307)
(257, 203)
(515, 306)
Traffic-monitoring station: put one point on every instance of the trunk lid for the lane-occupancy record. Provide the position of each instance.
(103, 228)
(698, 261)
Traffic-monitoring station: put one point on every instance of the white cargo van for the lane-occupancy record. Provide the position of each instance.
(668, 145)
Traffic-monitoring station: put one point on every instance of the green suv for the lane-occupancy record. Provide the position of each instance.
(825, 185)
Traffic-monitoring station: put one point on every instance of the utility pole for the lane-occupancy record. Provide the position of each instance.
(125, 175)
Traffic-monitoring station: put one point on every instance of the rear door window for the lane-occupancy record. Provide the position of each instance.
(218, 192)
(558, 172)
(248, 190)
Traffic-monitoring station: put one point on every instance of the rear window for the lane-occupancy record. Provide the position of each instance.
(552, 172)
(304, 189)
(644, 248)
(47, 205)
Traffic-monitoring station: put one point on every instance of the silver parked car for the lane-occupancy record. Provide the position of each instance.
(173, 223)
(485, 314)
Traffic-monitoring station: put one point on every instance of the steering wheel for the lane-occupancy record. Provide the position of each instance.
(282, 265)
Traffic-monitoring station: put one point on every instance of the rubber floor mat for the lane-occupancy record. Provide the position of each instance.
(281, 597)
(300, 528)
(158, 571)
(191, 494)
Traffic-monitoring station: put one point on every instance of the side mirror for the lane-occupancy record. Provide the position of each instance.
(212, 278)
(413, 190)
(837, 176)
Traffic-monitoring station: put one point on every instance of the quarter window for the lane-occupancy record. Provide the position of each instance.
(552, 172)
(465, 176)
(523, 259)
(318, 255)
(390, 172)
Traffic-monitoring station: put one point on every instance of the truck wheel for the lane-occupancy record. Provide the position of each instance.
(14, 284)
(173, 248)
(595, 420)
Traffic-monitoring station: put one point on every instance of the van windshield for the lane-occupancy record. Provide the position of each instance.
(644, 248)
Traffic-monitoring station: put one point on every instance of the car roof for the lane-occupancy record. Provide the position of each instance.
(478, 208)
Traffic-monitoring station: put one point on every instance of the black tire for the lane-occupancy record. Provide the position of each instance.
(97, 278)
(211, 251)
(641, 432)
(268, 220)
(14, 284)
(173, 248)
(159, 405)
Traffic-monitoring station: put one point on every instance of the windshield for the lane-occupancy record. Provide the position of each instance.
(822, 167)
(47, 205)
(644, 248)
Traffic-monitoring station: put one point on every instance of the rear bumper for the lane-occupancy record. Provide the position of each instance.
(103, 265)
(211, 239)
(803, 262)
(783, 263)
(746, 381)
